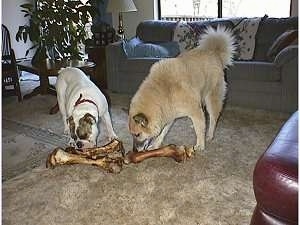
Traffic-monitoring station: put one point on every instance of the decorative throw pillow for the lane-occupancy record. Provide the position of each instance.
(245, 32)
(185, 36)
(287, 38)
(172, 47)
(135, 48)
(128, 46)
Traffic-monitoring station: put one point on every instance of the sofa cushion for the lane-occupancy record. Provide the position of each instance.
(253, 71)
(155, 31)
(289, 37)
(129, 45)
(268, 30)
(135, 48)
(185, 36)
(245, 32)
(200, 26)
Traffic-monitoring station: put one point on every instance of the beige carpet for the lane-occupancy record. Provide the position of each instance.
(214, 188)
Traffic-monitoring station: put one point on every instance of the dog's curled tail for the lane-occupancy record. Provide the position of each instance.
(221, 41)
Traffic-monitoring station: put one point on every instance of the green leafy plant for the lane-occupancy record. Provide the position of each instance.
(56, 27)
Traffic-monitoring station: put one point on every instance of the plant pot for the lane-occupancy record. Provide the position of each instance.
(40, 55)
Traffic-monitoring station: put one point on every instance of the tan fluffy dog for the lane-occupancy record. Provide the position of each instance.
(180, 87)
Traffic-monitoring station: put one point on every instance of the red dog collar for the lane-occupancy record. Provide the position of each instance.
(80, 100)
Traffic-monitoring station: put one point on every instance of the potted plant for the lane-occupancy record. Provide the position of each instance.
(56, 27)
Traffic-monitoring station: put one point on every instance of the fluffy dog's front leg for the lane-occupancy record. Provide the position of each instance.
(156, 144)
(214, 105)
(198, 119)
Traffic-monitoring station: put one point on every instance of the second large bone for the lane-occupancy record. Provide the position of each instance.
(111, 156)
(179, 154)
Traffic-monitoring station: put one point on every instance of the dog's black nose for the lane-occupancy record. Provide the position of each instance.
(79, 144)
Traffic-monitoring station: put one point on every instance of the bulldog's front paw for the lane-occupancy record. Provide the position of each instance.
(66, 131)
(198, 148)
(115, 137)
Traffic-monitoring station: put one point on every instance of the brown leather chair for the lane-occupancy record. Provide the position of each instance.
(10, 73)
(275, 179)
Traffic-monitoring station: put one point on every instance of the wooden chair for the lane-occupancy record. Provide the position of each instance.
(10, 72)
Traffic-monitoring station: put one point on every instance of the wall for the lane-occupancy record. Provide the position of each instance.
(12, 17)
(104, 16)
(145, 11)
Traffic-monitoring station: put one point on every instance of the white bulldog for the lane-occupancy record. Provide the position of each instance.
(82, 104)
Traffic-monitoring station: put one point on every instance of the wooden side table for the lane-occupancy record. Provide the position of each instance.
(49, 68)
(98, 56)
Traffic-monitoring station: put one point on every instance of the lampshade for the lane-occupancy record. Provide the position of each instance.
(121, 6)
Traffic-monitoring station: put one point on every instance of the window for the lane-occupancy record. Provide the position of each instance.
(205, 9)
(255, 8)
(192, 8)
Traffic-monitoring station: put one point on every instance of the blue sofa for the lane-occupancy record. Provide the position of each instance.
(257, 83)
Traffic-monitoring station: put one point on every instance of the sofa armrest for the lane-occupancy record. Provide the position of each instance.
(115, 50)
(287, 62)
(114, 56)
(286, 55)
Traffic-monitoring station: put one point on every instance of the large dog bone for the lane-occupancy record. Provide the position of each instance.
(111, 156)
(179, 154)
(60, 157)
(115, 146)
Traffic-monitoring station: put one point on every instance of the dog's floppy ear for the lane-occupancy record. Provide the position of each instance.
(89, 118)
(71, 123)
(141, 119)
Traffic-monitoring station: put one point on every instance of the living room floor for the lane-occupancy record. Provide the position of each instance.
(214, 187)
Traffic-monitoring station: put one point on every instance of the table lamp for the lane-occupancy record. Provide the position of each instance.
(121, 6)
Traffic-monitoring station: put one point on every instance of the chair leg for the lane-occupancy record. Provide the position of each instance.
(18, 91)
(18, 88)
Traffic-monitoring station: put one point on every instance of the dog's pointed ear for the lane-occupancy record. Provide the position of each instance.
(71, 123)
(141, 119)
